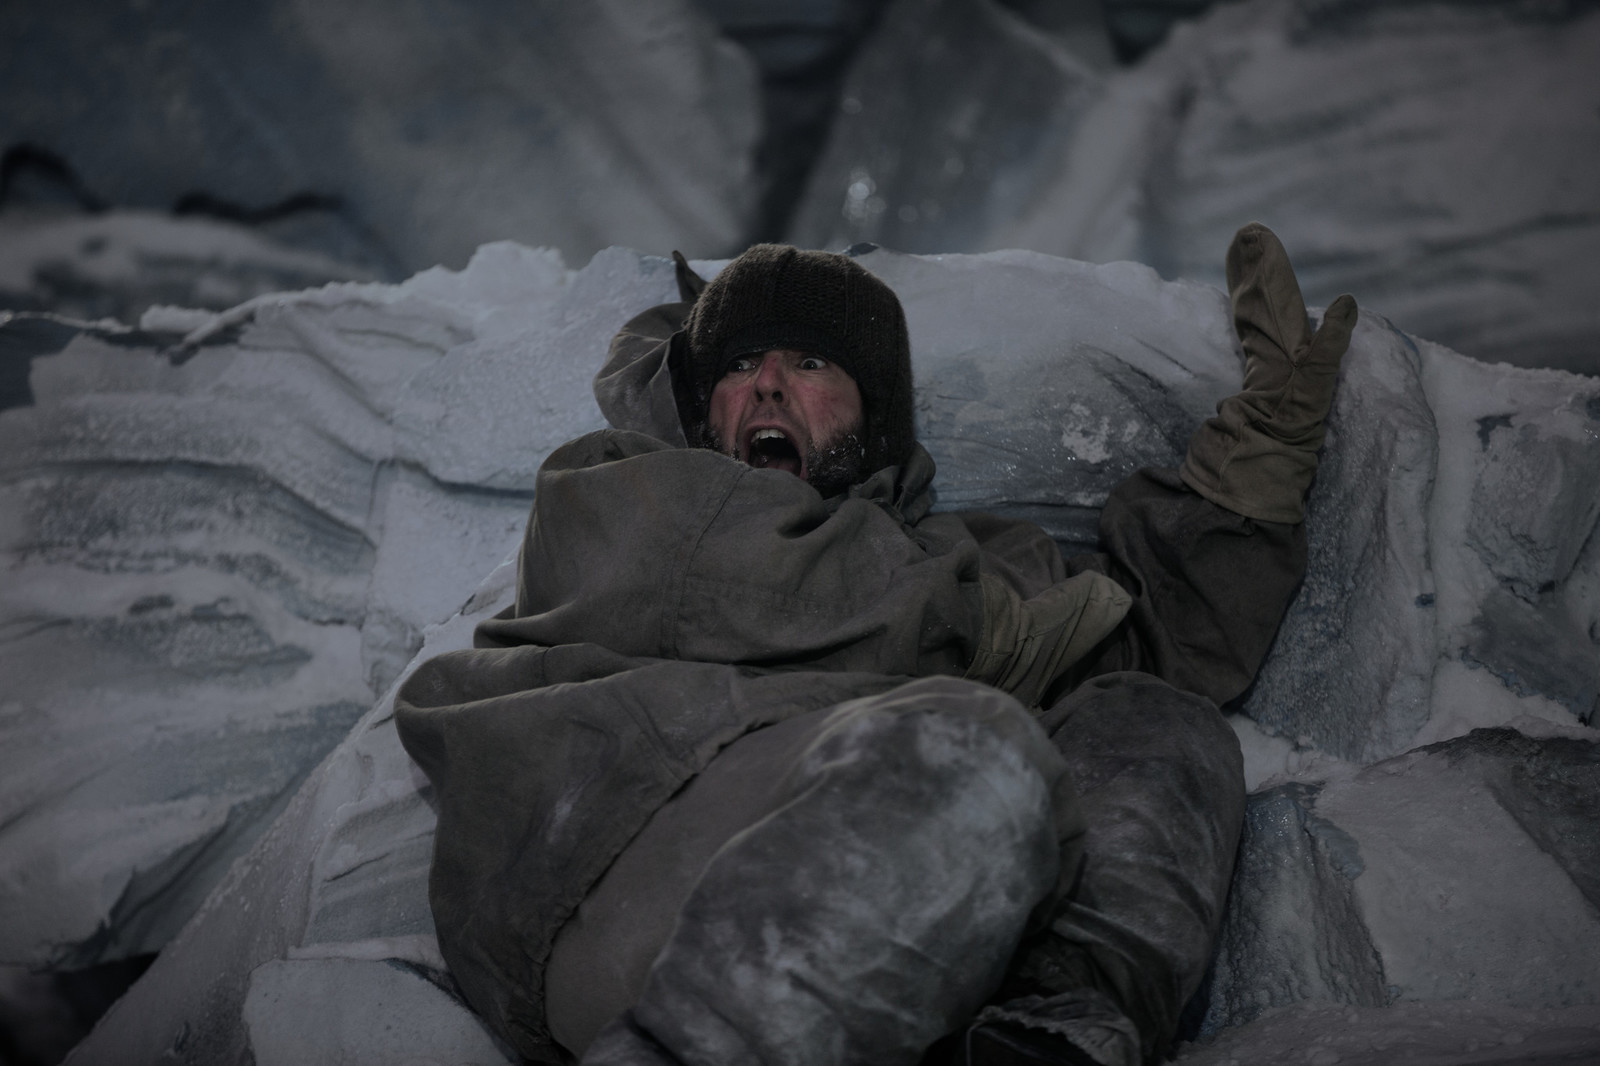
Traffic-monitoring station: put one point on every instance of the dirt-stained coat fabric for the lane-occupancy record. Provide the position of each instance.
(672, 600)
(669, 600)
(685, 554)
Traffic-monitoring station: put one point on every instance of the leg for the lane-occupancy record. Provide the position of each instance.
(1161, 784)
(602, 956)
(878, 906)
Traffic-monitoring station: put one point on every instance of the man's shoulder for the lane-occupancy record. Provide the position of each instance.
(647, 475)
(603, 446)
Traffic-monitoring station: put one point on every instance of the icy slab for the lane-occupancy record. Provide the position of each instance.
(1463, 593)
(326, 918)
(1454, 1033)
(117, 264)
(1042, 383)
(409, 420)
(1436, 160)
(1467, 870)
(1432, 160)
(1351, 670)
(954, 113)
(435, 128)
(216, 558)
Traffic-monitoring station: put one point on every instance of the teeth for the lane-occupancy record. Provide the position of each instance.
(769, 434)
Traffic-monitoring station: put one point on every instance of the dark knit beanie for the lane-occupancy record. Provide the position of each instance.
(776, 296)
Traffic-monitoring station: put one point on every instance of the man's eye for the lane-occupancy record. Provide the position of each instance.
(811, 362)
(740, 366)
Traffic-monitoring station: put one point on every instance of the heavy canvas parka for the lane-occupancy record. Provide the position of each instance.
(671, 600)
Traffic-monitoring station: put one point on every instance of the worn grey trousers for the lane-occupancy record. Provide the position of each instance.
(1161, 785)
(848, 886)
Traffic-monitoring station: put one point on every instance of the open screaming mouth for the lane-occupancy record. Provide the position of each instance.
(770, 448)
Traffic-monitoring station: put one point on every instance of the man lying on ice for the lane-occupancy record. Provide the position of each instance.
(769, 764)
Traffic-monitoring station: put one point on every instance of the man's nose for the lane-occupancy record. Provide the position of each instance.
(771, 377)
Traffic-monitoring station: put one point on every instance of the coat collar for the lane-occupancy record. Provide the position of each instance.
(904, 491)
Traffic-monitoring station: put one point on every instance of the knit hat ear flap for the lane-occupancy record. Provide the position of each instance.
(777, 296)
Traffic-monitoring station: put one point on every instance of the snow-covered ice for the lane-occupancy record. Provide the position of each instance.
(206, 542)
(218, 557)
(117, 264)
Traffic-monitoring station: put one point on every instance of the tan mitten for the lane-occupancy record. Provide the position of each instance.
(1026, 645)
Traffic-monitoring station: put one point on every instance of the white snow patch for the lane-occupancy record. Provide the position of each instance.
(1085, 437)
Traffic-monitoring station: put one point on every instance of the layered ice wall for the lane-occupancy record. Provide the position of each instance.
(220, 551)
(1435, 159)
(116, 264)
(418, 131)
(219, 556)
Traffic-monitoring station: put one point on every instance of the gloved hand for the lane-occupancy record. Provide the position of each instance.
(1257, 456)
(1026, 645)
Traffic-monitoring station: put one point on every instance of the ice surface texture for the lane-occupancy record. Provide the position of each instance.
(209, 547)
(435, 127)
(116, 264)
(1435, 159)
(217, 559)
(1463, 870)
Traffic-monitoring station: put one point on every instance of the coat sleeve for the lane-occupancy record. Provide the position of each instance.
(637, 389)
(1209, 586)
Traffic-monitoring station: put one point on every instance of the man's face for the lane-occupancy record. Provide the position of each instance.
(790, 410)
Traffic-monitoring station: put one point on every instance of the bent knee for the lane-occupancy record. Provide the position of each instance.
(1144, 718)
(941, 728)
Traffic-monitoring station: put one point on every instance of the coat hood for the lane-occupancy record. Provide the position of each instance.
(639, 390)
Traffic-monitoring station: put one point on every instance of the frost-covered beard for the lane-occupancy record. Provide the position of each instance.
(831, 466)
(834, 467)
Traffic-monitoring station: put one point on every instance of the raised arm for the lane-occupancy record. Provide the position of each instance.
(1212, 553)
(638, 389)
